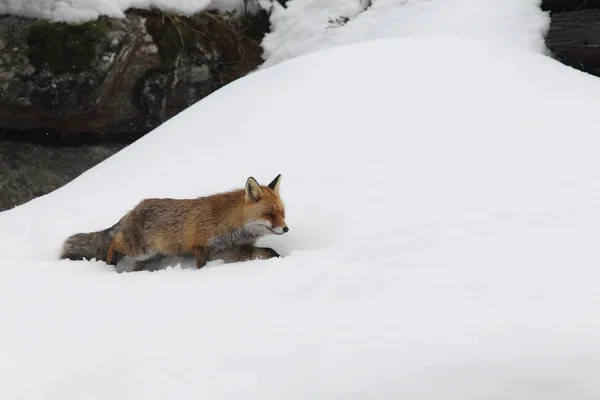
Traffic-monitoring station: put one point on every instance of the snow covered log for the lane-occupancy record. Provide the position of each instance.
(574, 39)
(121, 75)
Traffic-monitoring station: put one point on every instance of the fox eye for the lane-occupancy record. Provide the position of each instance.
(270, 215)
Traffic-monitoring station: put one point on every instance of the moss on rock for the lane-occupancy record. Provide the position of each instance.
(63, 47)
(170, 34)
(233, 40)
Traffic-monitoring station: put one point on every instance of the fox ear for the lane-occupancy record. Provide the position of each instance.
(253, 190)
(275, 184)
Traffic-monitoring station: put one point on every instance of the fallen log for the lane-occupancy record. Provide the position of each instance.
(574, 39)
(558, 6)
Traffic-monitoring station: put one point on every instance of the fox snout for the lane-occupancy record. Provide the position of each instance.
(280, 230)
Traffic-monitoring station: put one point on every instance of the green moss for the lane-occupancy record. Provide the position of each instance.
(64, 47)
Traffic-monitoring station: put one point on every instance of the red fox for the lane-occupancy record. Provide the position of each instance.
(220, 226)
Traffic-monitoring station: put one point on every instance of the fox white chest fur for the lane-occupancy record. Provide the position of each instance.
(241, 236)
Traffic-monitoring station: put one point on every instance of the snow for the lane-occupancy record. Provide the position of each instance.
(310, 25)
(79, 11)
(442, 187)
(304, 26)
(443, 240)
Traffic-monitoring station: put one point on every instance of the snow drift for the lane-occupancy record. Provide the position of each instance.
(443, 240)
(304, 26)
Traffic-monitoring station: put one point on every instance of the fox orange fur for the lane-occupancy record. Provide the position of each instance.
(220, 226)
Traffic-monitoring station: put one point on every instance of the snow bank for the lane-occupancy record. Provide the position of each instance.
(443, 240)
(311, 25)
(78, 11)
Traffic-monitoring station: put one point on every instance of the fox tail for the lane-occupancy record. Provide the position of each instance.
(89, 245)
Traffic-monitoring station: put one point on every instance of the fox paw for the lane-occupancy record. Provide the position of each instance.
(272, 253)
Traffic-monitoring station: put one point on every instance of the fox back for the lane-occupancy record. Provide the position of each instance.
(219, 221)
(206, 226)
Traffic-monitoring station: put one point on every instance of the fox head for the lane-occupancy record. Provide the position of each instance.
(264, 210)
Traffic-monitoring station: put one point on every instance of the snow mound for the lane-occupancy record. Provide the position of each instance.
(443, 240)
(311, 25)
(304, 26)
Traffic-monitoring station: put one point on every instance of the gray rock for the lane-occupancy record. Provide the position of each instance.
(31, 170)
(119, 75)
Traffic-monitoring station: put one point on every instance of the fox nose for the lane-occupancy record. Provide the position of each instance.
(285, 229)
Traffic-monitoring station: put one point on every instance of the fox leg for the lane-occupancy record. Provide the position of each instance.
(142, 263)
(250, 252)
(202, 255)
(112, 256)
(264, 253)
(245, 253)
(235, 254)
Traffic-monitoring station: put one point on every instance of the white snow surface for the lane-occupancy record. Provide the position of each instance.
(443, 198)
(304, 26)
(78, 11)
(310, 25)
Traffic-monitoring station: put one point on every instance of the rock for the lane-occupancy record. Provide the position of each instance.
(113, 76)
(30, 170)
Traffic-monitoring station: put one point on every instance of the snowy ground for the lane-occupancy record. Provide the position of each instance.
(309, 25)
(443, 241)
(443, 198)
